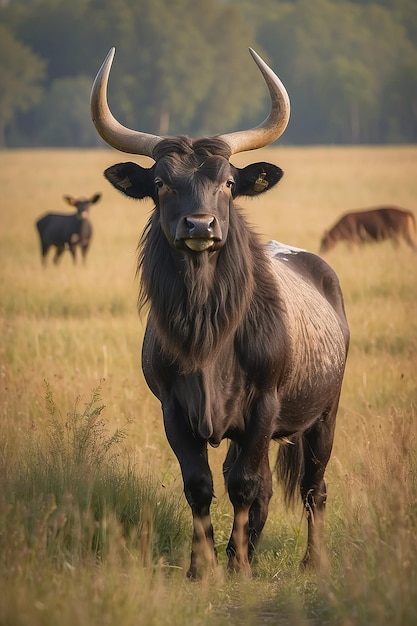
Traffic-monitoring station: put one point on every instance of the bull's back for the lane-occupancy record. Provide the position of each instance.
(370, 224)
(395, 218)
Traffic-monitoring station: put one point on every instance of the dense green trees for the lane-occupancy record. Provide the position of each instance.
(350, 67)
(21, 72)
(338, 60)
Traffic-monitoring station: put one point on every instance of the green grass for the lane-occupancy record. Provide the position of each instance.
(94, 528)
(76, 495)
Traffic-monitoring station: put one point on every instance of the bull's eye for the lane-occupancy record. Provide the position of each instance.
(158, 183)
(230, 183)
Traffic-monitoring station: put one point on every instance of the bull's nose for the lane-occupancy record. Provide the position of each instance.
(203, 229)
(200, 226)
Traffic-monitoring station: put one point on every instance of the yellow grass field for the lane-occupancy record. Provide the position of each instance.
(74, 329)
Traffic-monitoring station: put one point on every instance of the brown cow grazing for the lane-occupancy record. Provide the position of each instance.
(372, 225)
(243, 341)
(66, 231)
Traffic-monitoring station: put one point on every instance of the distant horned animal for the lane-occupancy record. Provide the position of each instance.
(243, 342)
(67, 230)
(372, 225)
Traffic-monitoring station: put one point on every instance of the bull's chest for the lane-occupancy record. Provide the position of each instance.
(212, 399)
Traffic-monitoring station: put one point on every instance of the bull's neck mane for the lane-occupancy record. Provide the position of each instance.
(199, 300)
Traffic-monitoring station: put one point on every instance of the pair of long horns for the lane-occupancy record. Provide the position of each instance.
(136, 142)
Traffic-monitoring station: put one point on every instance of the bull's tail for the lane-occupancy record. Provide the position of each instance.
(290, 467)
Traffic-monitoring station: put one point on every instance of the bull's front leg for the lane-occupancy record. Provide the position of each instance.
(203, 553)
(191, 453)
(249, 485)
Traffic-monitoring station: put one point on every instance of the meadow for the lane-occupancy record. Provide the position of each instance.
(94, 528)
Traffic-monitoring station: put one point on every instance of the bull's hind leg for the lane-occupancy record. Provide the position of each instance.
(317, 447)
(58, 252)
(258, 511)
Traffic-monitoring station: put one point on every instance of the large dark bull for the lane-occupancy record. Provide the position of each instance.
(67, 230)
(243, 341)
(372, 225)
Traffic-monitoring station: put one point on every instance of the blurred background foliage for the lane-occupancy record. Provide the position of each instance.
(350, 68)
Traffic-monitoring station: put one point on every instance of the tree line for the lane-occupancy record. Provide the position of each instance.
(350, 67)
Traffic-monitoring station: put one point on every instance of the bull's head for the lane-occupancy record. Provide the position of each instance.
(191, 182)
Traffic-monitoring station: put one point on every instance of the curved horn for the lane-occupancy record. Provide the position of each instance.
(276, 122)
(108, 127)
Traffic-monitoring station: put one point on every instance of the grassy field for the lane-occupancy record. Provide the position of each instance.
(94, 529)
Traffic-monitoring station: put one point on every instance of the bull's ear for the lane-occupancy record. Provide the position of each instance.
(257, 178)
(132, 179)
(70, 200)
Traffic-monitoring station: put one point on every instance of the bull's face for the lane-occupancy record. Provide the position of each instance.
(193, 193)
(194, 201)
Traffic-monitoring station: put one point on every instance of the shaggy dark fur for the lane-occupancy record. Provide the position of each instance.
(197, 304)
(240, 343)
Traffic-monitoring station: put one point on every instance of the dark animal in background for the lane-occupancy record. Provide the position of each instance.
(67, 230)
(372, 225)
(243, 341)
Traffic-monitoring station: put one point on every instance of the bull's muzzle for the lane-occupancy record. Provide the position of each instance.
(199, 232)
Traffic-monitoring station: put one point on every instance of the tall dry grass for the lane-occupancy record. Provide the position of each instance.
(77, 329)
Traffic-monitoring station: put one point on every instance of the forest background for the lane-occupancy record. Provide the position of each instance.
(183, 67)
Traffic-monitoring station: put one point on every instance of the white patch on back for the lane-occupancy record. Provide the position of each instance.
(316, 339)
(272, 248)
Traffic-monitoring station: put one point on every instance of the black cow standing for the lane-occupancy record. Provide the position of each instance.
(67, 230)
(243, 342)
